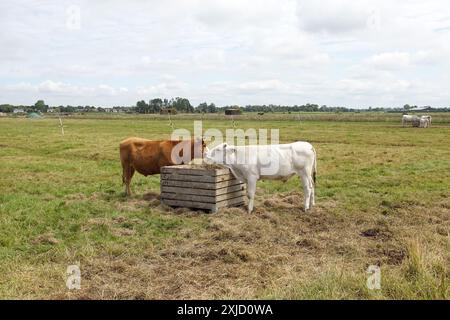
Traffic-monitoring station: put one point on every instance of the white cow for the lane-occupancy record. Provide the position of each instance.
(277, 162)
(407, 118)
(424, 122)
(427, 118)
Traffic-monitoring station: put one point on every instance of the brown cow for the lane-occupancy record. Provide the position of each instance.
(148, 156)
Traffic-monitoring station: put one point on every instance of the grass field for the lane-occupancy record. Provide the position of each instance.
(383, 198)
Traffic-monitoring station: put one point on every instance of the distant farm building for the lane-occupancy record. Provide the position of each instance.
(168, 111)
(18, 110)
(233, 112)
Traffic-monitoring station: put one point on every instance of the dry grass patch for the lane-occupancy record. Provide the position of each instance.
(237, 255)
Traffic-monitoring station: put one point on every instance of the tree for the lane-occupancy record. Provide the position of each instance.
(141, 107)
(156, 105)
(206, 108)
(6, 108)
(212, 108)
(202, 107)
(40, 106)
(182, 105)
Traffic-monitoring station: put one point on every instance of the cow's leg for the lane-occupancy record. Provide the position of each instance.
(128, 172)
(251, 190)
(126, 179)
(306, 180)
(129, 180)
(313, 191)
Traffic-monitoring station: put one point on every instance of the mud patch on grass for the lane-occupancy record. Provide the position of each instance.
(377, 234)
(149, 196)
(47, 238)
(389, 254)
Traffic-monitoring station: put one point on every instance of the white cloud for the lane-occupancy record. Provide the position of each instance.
(209, 58)
(239, 14)
(333, 16)
(164, 89)
(390, 60)
(262, 86)
(336, 52)
(56, 92)
(399, 60)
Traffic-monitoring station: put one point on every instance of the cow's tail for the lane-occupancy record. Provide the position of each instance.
(315, 165)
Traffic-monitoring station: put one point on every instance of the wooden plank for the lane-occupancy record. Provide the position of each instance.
(231, 202)
(202, 205)
(185, 177)
(202, 198)
(195, 171)
(206, 192)
(200, 185)
(189, 204)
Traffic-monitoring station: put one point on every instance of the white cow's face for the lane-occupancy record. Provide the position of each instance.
(205, 152)
(221, 154)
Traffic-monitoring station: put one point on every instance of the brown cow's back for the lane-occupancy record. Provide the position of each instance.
(147, 156)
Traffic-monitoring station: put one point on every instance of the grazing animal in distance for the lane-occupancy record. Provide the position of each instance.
(408, 118)
(424, 122)
(274, 162)
(428, 118)
(148, 156)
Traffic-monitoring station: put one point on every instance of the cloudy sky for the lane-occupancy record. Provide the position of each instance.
(336, 52)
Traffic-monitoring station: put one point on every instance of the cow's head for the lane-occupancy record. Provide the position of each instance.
(199, 148)
(221, 154)
(204, 148)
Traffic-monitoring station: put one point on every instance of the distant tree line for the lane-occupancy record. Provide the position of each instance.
(182, 105)
(39, 106)
(309, 107)
(295, 108)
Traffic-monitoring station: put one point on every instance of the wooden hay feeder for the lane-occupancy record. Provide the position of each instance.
(201, 187)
